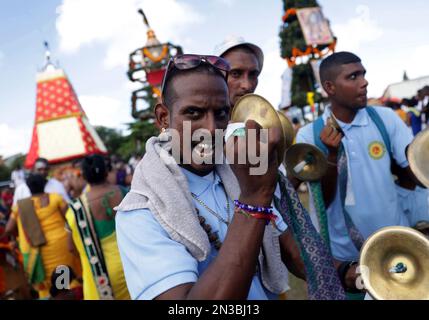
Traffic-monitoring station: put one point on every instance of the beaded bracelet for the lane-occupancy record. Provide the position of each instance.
(256, 209)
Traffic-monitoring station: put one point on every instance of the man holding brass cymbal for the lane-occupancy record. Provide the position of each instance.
(246, 61)
(361, 142)
(192, 229)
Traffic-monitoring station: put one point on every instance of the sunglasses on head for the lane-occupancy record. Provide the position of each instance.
(192, 61)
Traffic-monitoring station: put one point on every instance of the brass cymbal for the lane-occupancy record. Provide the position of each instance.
(306, 162)
(394, 264)
(418, 157)
(288, 129)
(254, 107)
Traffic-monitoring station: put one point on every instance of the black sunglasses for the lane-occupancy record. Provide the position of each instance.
(191, 61)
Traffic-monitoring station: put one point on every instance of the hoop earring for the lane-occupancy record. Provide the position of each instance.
(163, 136)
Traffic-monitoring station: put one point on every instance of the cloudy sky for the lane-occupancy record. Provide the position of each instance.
(91, 40)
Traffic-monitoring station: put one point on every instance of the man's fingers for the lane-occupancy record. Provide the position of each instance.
(326, 132)
(337, 139)
(252, 124)
(329, 134)
(335, 134)
(257, 144)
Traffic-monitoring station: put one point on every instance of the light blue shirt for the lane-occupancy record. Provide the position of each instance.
(415, 204)
(376, 203)
(154, 263)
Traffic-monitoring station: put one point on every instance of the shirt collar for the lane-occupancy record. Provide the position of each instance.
(360, 120)
(199, 184)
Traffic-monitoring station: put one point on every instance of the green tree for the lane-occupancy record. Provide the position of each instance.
(126, 145)
(112, 138)
(140, 132)
(4, 173)
(18, 162)
(291, 36)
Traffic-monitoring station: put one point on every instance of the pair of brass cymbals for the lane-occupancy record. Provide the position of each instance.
(256, 108)
(304, 161)
(395, 260)
(394, 264)
(288, 130)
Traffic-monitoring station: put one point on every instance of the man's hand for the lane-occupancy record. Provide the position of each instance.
(294, 181)
(331, 138)
(351, 276)
(255, 189)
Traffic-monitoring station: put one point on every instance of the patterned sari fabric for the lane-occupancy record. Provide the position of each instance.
(103, 275)
(322, 277)
(40, 262)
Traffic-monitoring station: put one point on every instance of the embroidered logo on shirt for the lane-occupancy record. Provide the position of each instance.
(376, 150)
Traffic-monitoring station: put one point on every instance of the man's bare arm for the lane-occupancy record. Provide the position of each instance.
(291, 256)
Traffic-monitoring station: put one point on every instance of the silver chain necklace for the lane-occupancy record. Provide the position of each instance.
(217, 215)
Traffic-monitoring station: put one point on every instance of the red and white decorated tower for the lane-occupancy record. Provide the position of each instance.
(61, 130)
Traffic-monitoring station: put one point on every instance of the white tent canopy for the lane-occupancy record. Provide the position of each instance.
(405, 89)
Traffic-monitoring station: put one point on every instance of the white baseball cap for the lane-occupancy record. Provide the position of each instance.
(235, 41)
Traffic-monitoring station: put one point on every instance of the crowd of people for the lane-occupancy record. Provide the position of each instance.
(413, 111)
(45, 195)
(211, 230)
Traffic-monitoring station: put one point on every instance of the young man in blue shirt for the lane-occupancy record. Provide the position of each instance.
(359, 194)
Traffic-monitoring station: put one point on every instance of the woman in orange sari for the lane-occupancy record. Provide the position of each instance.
(43, 239)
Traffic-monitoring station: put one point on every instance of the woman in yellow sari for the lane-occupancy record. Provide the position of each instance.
(91, 220)
(43, 239)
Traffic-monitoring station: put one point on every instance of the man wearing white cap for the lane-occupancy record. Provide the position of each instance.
(246, 61)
